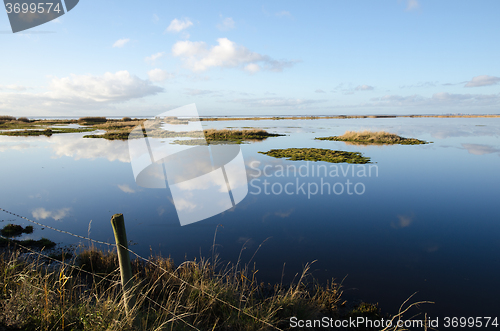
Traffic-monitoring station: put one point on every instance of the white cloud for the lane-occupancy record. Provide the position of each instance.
(183, 204)
(479, 149)
(190, 91)
(13, 87)
(422, 84)
(179, 25)
(278, 102)
(42, 213)
(252, 68)
(412, 5)
(227, 24)
(449, 102)
(227, 54)
(79, 93)
(121, 42)
(152, 59)
(483, 80)
(126, 188)
(319, 91)
(364, 88)
(118, 87)
(155, 18)
(77, 148)
(283, 13)
(159, 75)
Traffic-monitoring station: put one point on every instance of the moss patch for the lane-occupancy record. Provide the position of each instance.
(318, 154)
(371, 137)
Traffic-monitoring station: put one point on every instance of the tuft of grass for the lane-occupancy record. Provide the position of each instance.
(126, 119)
(7, 118)
(13, 230)
(318, 154)
(89, 120)
(23, 119)
(86, 294)
(374, 137)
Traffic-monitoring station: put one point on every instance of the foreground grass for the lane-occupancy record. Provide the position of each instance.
(374, 137)
(318, 154)
(35, 296)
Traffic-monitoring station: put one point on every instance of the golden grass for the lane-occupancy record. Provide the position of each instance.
(205, 295)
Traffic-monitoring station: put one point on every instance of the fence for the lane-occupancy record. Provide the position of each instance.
(126, 279)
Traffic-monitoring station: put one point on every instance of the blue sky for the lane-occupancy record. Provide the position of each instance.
(255, 58)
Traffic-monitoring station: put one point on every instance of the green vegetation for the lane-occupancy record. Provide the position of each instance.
(225, 136)
(370, 137)
(23, 119)
(212, 136)
(47, 132)
(12, 230)
(89, 120)
(318, 154)
(169, 297)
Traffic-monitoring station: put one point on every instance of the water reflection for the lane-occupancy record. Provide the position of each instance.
(58, 214)
(73, 145)
(403, 221)
(480, 149)
(426, 224)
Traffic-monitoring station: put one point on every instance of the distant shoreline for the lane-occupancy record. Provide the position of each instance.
(314, 117)
(283, 117)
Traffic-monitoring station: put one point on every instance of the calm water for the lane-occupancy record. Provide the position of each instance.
(426, 222)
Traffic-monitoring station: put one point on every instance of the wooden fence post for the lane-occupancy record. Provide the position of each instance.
(118, 224)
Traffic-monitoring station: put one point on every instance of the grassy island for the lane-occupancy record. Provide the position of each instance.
(370, 137)
(318, 154)
(119, 129)
(15, 230)
(225, 136)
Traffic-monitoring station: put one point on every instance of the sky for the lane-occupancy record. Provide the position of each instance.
(130, 58)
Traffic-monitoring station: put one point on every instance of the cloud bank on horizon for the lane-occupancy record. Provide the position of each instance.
(399, 57)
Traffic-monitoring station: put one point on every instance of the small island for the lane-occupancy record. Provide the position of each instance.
(120, 129)
(318, 154)
(226, 136)
(374, 137)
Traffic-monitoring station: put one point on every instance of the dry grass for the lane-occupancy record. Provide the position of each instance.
(199, 294)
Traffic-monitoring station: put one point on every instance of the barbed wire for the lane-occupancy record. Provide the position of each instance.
(58, 230)
(115, 282)
(152, 263)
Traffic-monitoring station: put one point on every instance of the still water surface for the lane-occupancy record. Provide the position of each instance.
(428, 220)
